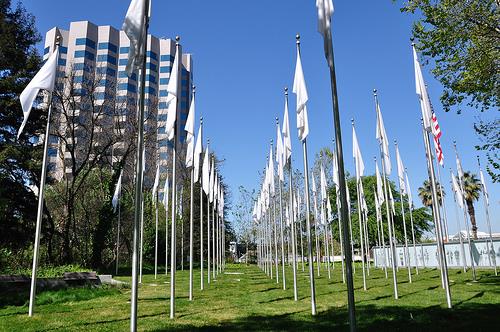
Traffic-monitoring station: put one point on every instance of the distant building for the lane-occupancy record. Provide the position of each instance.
(88, 49)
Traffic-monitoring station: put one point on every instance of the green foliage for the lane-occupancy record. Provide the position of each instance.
(489, 136)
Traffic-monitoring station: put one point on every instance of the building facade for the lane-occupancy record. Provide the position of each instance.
(92, 65)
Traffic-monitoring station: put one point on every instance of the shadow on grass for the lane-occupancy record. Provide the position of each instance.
(465, 317)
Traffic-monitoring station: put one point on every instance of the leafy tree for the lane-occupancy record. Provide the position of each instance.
(425, 193)
(462, 38)
(20, 160)
(472, 189)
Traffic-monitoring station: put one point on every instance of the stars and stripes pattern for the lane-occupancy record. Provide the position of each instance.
(436, 131)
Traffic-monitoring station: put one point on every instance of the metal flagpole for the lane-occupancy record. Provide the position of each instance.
(173, 250)
(138, 176)
(280, 184)
(464, 203)
(142, 231)
(301, 231)
(407, 253)
(341, 237)
(435, 204)
(491, 252)
(166, 233)
(292, 227)
(39, 216)
(118, 230)
(381, 222)
(201, 209)
(464, 263)
(350, 228)
(213, 231)
(191, 222)
(410, 207)
(325, 236)
(318, 249)
(443, 206)
(208, 222)
(156, 230)
(392, 255)
(273, 197)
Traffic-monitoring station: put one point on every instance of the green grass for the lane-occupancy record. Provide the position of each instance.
(252, 301)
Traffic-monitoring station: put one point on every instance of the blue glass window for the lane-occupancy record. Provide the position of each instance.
(163, 93)
(152, 55)
(79, 92)
(63, 49)
(165, 69)
(167, 57)
(78, 79)
(107, 58)
(164, 80)
(53, 139)
(107, 46)
(106, 71)
(161, 130)
(151, 66)
(46, 50)
(61, 62)
(162, 117)
(52, 152)
(123, 62)
(126, 86)
(162, 105)
(86, 42)
(84, 54)
(124, 74)
(124, 50)
(151, 78)
(150, 90)
(163, 155)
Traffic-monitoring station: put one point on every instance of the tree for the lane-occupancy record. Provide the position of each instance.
(462, 38)
(425, 193)
(472, 189)
(20, 159)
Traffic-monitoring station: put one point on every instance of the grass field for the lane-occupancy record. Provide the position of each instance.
(244, 299)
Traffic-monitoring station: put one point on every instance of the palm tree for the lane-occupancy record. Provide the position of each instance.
(425, 193)
(472, 188)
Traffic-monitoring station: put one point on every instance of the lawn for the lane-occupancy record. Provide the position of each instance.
(244, 299)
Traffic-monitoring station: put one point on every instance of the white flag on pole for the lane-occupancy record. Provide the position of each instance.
(325, 11)
(485, 190)
(421, 90)
(380, 188)
(356, 152)
(198, 149)
(212, 181)
(287, 143)
(324, 194)
(172, 98)
(135, 29)
(457, 190)
(189, 128)
(460, 170)
(329, 209)
(408, 191)
(118, 189)
(206, 172)
(391, 199)
(156, 183)
(381, 136)
(401, 172)
(299, 88)
(271, 171)
(44, 79)
(165, 193)
(335, 171)
(279, 153)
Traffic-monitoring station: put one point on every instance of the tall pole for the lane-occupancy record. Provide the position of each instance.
(388, 212)
(39, 216)
(491, 252)
(156, 230)
(208, 224)
(118, 231)
(173, 250)
(138, 184)
(464, 263)
(435, 201)
(280, 184)
(141, 236)
(382, 232)
(201, 211)
(213, 232)
(407, 253)
(292, 228)
(166, 232)
(443, 206)
(273, 198)
(410, 207)
(191, 223)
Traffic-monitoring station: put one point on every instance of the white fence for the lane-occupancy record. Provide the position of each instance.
(425, 254)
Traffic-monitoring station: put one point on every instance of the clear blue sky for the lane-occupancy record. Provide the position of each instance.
(244, 54)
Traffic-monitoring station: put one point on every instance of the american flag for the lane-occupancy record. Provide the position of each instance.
(436, 132)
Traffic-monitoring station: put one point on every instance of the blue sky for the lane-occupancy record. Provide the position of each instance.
(244, 55)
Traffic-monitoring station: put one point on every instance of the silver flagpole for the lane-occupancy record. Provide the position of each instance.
(325, 236)
(156, 230)
(464, 263)
(273, 198)
(435, 204)
(410, 207)
(292, 228)
(201, 209)
(464, 203)
(208, 221)
(138, 184)
(341, 237)
(173, 250)
(350, 231)
(301, 231)
(217, 218)
(407, 253)
(491, 252)
(166, 235)
(191, 221)
(39, 215)
(118, 230)
(443, 205)
(381, 222)
(142, 230)
(367, 242)
(213, 232)
(392, 255)
(318, 248)
(280, 184)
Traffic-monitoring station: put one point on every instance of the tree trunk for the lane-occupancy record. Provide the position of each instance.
(472, 214)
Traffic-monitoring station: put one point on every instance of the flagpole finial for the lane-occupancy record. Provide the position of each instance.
(297, 37)
(177, 40)
(352, 121)
(374, 92)
(395, 142)
(201, 120)
(58, 40)
(478, 161)
(277, 121)
(194, 88)
(286, 91)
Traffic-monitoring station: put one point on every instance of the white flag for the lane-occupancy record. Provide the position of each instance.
(172, 98)
(189, 128)
(325, 11)
(44, 79)
(329, 209)
(212, 181)
(156, 183)
(485, 190)
(324, 194)
(198, 149)
(287, 143)
(380, 188)
(287, 216)
(271, 172)
(118, 189)
(323, 217)
(401, 172)
(381, 136)
(165, 193)
(391, 200)
(421, 90)
(299, 88)
(279, 153)
(206, 173)
(408, 191)
(364, 207)
(460, 170)
(356, 152)
(458, 192)
(135, 29)
(348, 197)
(335, 169)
